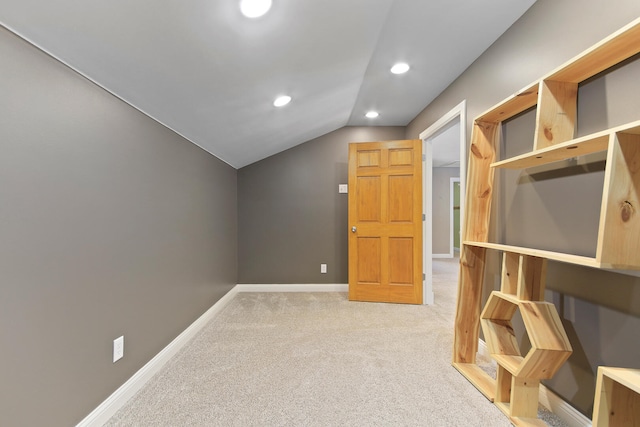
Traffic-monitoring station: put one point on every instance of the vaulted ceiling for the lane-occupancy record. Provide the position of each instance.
(211, 74)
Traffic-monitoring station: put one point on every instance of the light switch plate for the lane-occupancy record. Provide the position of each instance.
(343, 188)
(118, 349)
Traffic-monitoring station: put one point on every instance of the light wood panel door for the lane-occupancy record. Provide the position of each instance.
(385, 221)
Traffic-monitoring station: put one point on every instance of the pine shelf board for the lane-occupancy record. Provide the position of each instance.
(617, 397)
(507, 297)
(505, 407)
(479, 378)
(588, 144)
(556, 153)
(556, 256)
(527, 422)
(515, 104)
(629, 378)
(621, 45)
(509, 362)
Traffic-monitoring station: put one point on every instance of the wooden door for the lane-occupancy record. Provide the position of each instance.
(385, 221)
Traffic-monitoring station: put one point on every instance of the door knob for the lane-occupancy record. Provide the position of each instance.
(353, 229)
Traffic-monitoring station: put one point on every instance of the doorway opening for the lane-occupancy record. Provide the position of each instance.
(444, 148)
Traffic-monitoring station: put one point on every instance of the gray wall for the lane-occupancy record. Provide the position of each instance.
(290, 215)
(553, 208)
(441, 237)
(110, 225)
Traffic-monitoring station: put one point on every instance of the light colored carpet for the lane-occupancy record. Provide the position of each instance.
(316, 359)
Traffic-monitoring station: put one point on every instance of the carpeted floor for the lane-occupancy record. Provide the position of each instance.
(316, 359)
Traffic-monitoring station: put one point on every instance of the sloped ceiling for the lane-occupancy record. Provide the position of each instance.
(211, 74)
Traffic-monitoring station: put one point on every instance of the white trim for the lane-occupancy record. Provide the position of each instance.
(428, 296)
(457, 112)
(562, 409)
(126, 391)
(554, 403)
(483, 350)
(329, 287)
(121, 396)
(442, 255)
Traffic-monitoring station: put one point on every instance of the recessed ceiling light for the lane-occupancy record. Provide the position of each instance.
(400, 68)
(372, 114)
(254, 8)
(281, 101)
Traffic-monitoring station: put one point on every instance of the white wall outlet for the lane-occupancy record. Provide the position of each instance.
(323, 268)
(118, 349)
(343, 188)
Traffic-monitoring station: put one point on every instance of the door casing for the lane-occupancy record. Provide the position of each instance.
(459, 112)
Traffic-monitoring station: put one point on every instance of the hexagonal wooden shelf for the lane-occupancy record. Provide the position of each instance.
(550, 346)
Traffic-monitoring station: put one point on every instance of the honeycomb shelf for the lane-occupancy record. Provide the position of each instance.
(550, 347)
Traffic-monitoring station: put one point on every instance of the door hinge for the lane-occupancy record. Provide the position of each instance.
(424, 157)
(424, 217)
(424, 276)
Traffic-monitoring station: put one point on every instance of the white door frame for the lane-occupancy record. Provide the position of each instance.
(458, 112)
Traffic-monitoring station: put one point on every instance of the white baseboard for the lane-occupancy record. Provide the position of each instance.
(562, 409)
(550, 400)
(441, 255)
(126, 391)
(429, 298)
(322, 287)
(121, 396)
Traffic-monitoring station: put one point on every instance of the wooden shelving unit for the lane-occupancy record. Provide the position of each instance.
(515, 388)
(617, 400)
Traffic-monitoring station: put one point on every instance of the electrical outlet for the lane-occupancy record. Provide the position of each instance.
(118, 349)
(323, 268)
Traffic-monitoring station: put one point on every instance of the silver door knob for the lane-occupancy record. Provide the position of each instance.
(353, 229)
